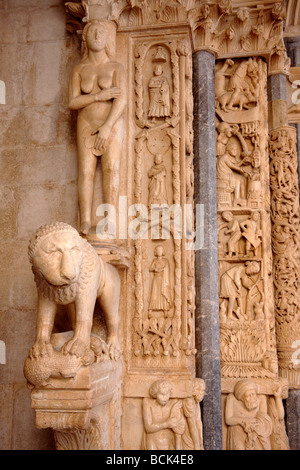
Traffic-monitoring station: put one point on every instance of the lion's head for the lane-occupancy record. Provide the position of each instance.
(58, 256)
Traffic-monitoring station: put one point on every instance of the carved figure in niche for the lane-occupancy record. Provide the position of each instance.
(164, 422)
(69, 272)
(285, 205)
(234, 231)
(287, 305)
(231, 283)
(157, 184)
(243, 84)
(229, 173)
(241, 90)
(246, 414)
(226, 131)
(252, 233)
(282, 145)
(221, 76)
(97, 90)
(285, 238)
(159, 94)
(160, 302)
(193, 435)
(285, 273)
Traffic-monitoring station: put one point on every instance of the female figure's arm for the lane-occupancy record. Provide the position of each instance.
(118, 105)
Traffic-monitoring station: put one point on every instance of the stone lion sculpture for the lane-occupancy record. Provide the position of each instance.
(69, 272)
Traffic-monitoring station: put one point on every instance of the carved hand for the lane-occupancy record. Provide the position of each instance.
(103, 134)
(109, 94)
(249, 426)
(171, 423)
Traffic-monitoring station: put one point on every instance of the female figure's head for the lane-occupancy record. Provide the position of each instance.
(97, 36)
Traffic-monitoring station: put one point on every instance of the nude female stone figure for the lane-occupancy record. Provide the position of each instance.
(97, 90)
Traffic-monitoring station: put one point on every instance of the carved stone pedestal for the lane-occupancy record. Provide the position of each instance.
(84, 412)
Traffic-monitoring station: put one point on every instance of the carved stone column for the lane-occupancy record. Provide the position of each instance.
(207, 308)
(285, 240)
(293, 50)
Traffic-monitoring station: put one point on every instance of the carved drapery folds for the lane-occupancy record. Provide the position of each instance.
(285, 241)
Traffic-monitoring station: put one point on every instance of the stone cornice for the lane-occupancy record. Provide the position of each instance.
(227, 28)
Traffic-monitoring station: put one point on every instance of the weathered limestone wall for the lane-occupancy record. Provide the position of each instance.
(38, 185)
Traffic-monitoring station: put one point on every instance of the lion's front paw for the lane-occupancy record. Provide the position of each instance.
(41, 348)
(114, 348)
(76, 347)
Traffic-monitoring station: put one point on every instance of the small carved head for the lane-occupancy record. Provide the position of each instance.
(161, 390)
(252, 267)
(159, 251)
(227, 216)
(198, 389)
(243, 14)
(158, 70)
(246, 391)
(233, 148)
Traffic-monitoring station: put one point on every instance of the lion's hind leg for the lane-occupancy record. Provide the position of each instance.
(109, 301)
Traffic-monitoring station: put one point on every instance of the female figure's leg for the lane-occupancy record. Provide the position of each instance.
(87, 163)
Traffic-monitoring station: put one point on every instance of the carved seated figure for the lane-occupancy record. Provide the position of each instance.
(69, 272)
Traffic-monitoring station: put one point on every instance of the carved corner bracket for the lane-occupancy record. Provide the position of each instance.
(80, 410)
